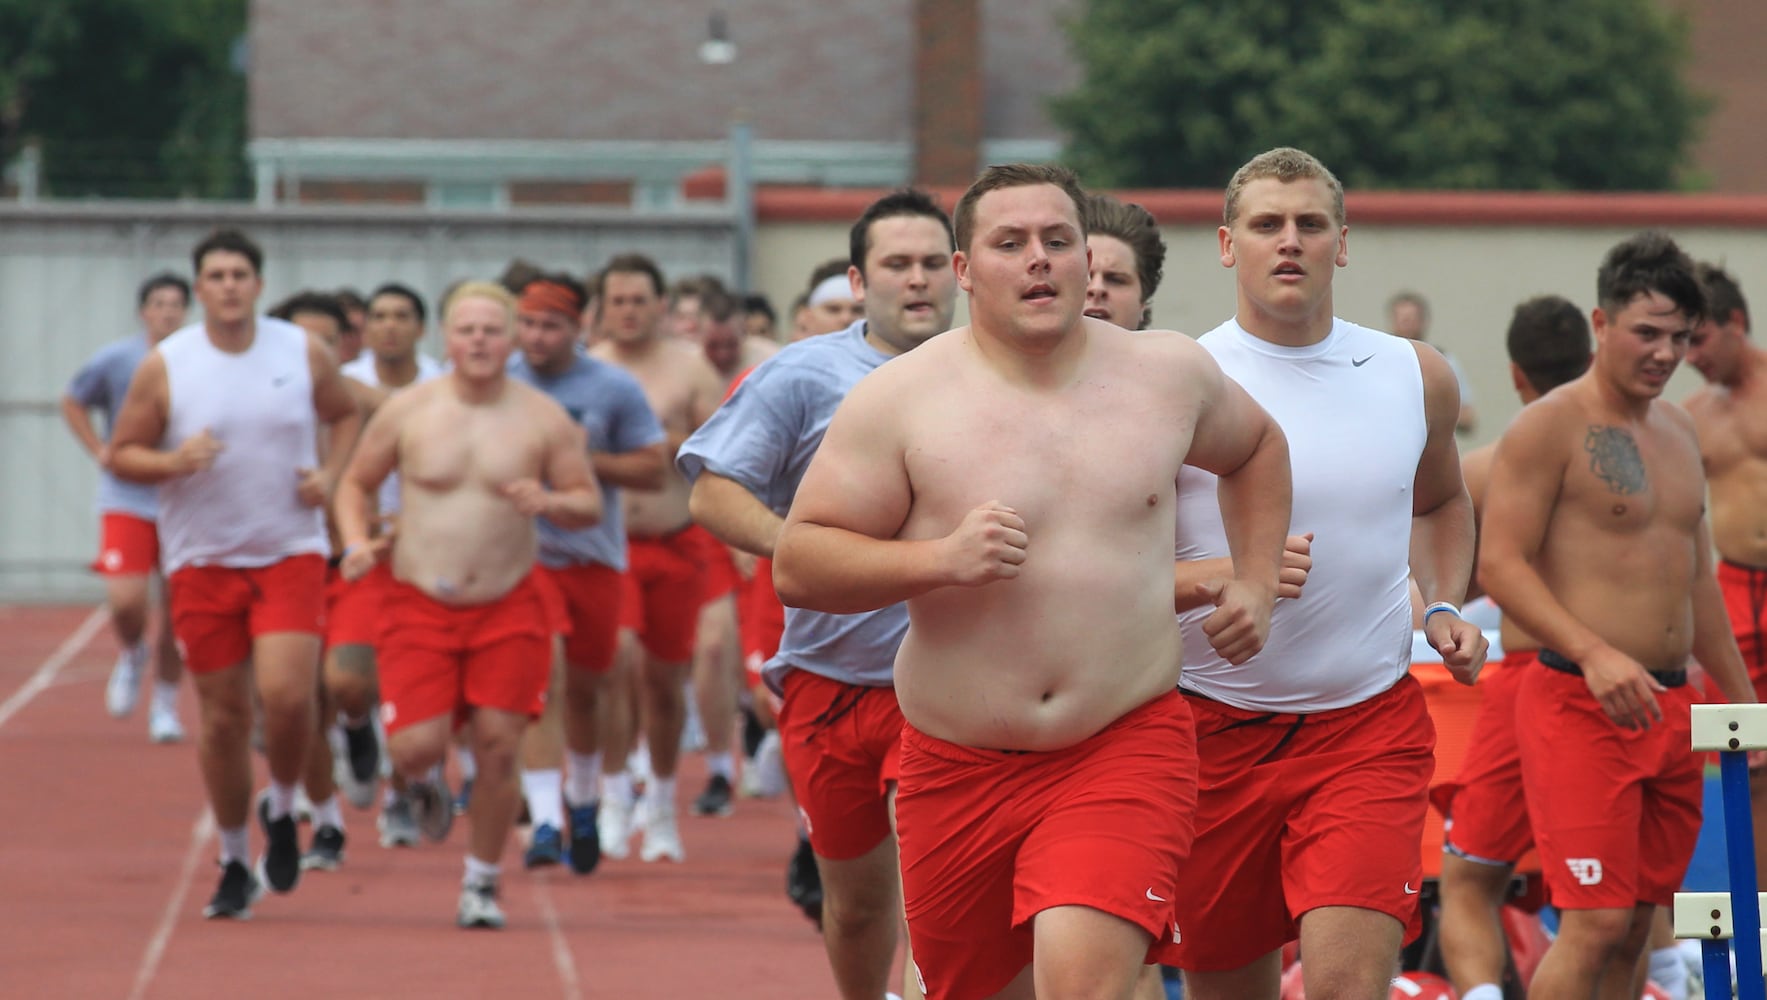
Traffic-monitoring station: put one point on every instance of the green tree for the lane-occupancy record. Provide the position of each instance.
(1507, 94)
(126, 98)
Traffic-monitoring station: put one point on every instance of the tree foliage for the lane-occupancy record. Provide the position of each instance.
(1496, 94)
(126, 98)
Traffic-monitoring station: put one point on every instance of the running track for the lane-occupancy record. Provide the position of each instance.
(107, 857)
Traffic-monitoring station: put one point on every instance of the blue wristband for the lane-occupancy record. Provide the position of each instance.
(1439, 606)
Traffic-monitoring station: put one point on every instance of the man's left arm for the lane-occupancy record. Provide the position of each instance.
(1714, 643)
(1442, 527)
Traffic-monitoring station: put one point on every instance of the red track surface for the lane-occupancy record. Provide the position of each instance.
(107, 857)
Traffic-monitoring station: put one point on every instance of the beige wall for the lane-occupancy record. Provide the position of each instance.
(1472, 276)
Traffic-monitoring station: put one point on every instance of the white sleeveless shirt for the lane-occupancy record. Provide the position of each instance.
(242, 511)
(1353, 411)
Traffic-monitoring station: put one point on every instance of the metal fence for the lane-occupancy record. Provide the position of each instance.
(68, 275)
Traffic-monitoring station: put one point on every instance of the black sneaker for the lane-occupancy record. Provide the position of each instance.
(282, 851)
(715, 800)
(234, 897)
(803, 881)
(327, 851)
(585, 837)
(364, 752)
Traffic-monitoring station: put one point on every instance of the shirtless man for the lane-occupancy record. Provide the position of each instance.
(1128, 259)
(1618, 593)
(745, 464)
(466, 634)
(1014, 482)
(1730, 414)
(1487, 817)
(393, 327)
(1326, 722)
(128, 548)
(586, 566)
(224, 415)
(667, 583)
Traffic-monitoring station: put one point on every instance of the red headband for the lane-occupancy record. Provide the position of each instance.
(550, 296)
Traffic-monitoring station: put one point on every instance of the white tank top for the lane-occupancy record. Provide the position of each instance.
(242, 511)
(362, 370)
(1352, 408)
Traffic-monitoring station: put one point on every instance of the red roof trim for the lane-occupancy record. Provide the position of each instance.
(1404, 208)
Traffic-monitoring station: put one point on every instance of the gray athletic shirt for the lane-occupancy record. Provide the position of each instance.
(101, 385)
(763, 438)
(608, 403)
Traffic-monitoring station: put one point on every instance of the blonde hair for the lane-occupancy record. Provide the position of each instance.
(478, 290)
(1285, 163)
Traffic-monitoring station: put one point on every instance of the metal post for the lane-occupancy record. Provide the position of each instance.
(1739, 843)
(740, 194)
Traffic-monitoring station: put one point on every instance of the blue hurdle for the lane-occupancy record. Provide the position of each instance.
(1716, 918)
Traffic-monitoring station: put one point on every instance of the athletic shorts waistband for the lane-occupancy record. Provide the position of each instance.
(1566, 665)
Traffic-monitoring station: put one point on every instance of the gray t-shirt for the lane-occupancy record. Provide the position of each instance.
(609, 404)
(101, 385)
(763, 438)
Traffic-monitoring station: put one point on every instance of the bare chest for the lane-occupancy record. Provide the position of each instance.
(1627, 481)
(452, 448)
(1733, 433)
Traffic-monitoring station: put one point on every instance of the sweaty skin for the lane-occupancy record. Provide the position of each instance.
(1732, 424)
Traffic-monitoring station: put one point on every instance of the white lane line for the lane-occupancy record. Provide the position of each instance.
(45, 675)
(200, 832)
(561, 952)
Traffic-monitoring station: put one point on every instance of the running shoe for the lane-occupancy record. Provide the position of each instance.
(282, 850)
(431, 806)
(545, 847)
(803, 881)
(715, 800)
(662, 838)
(357, 768)
(234, 897)
(478, 907)
(585, 838)
(397, 827)
(123, 690)
(163, 725)
(614, 826)
(326, 852)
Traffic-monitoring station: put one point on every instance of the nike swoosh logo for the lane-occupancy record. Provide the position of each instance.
(1410, 891)
(1156, 898)
(1357, 364)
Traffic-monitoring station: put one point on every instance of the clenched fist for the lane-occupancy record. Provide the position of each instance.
(988, 545)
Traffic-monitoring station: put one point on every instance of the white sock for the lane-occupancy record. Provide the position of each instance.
(389, 795)
(327, 813)
(661, 792)
(1669, 971)
(1483, 991)
(582, 777)
(165, 694)
(282, 798)
(617, 786)
(544, 790)
(137, 653)
(721, 763)
(480, 872)
(235, 846)
(469, 765)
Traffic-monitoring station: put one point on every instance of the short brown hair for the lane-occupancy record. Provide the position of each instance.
(1723, 294)
(1284, 163)
(1010, 175)
(1548, 339)
(632, 263)
(1135, 226)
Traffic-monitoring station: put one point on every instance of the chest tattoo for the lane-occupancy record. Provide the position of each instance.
(1614, 458)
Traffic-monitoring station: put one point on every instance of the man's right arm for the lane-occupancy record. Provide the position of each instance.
(728, 510)
(141, 424)
(79, 420)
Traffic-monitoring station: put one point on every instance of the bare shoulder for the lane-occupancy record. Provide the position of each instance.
(1170, 358)
(1543, 427)
(1438, 375)
(1678, 418)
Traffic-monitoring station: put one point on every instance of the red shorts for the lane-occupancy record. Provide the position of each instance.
(1745, 600)
(1615, 811)
(842, 744)
(761, 619)
(1487, 815)
(663, 594)
(440, 659)
(718, 575)
(1296, 812)
(127, 545)
(991, 838)
(591, 595)
(352, 610)
(218, 610)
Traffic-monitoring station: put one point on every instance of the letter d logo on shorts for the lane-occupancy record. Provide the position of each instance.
(1587, 871)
